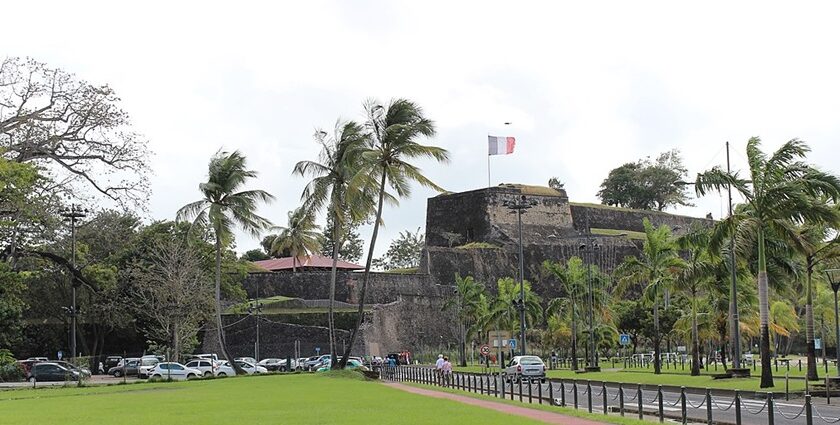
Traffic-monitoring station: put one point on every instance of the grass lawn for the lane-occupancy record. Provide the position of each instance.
(292, 399)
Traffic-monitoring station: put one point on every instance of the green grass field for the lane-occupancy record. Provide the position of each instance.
(292, 399)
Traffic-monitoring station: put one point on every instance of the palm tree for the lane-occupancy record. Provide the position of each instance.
(811, 244)
(572, 280)
(394, 130)
(467, 303)
(503, 311)
(300, 238)
(222, 207)
(337, 163)
(656, 266)
(782, 190)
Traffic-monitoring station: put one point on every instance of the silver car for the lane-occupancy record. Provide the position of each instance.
(525, 367)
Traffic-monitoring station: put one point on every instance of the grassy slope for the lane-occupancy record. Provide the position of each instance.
(296, 399)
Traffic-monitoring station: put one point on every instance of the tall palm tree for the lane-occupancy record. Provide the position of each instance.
(300, 238)
(338, 161)
(811, 242)
(222, 207)
(657, 266)
(467, 303)
(782, 190)
(572, 280)
(503, 311)
(394, 129)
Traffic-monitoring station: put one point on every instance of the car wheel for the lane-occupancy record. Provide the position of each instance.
(191, 376)
(156, 376)
(31, 379)
(117, 374)
(207, 373)
(221, 374)
(282, 368)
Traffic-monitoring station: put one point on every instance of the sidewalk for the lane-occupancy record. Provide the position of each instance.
(539, 415)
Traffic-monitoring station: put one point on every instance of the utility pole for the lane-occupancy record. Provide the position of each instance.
(519, 206)
(590, 248)
(72, 215)
(255, 309)
(733, 289)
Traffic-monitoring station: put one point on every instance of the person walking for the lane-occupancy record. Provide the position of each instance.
(446, 370)
(439, 368)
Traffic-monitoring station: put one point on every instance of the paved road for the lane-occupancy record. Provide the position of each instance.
(753, 411)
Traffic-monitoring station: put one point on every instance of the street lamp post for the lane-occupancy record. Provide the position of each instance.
(72, 215)
(590, 248)
(834, 279)
(519, 206)
(255, 309)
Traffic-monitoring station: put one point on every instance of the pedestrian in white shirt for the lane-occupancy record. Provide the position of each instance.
(439, 366)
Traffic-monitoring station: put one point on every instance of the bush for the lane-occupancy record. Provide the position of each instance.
(10, 369)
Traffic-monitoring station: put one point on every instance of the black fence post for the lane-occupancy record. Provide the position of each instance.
(530, 384)
(800, 365)
(495, 385)
(575, 393)
(809, 413)
(708, 406)
(737, 408)
(539, 391)
(550, 393)
(620, 399)
(639, 400)
(562, 394)
(481, 384)
(682, 405)
(589, 396)
(511, 390)
(520, 389)
(604, 396)
(502, 393)
(771, 419)
(661, 406)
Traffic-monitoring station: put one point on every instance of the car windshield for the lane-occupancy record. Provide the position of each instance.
(530, 361)
(149, 362)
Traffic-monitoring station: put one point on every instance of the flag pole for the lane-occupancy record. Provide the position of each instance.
(488, 170)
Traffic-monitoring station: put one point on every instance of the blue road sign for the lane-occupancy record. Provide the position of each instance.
(624, 339)
(817, 344)
(512, 343)
(318, 350)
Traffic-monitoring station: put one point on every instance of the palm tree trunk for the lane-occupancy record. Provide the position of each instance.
(574, 337)
(463, 337)
(809, 322)
(220, 331)
(657, 353)
(333, 277)
(695, 339)
(764, 314)
(368, 263)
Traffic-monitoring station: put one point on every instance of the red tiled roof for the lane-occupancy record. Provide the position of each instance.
(313, 261)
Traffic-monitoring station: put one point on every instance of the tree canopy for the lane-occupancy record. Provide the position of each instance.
(647, 185)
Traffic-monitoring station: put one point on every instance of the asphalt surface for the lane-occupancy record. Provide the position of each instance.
(753, 411)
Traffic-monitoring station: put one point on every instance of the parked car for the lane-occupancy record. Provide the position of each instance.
(111, 361)
(207, 367)
(273, 364)
(351, 364)
(147, 363)
(311, 362)
(172, 370)
(246, 360)
(127, 367)
(38, 359)
(205, 356)
(223, 369)
(249, 368)
(525, 367)
(83, 371)
(49, 371)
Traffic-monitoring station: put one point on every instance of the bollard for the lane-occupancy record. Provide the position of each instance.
(737, 407)
(562, 394)
(620, 399)
(550, 393)
(530, 384)
(682, 405)
(589, 396)
(770, 409)
(539, 390)
(520, 389)
(661, 407)
(604, 395)
(800, 365)
(809, 414)
(575, 391)
(776, 363)
(708, 406)
(639, 399)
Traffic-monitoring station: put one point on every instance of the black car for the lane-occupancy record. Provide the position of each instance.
(111, 361)
(52, 372)
(127, 367)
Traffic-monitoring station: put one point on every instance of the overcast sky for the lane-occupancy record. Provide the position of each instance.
(587, 85)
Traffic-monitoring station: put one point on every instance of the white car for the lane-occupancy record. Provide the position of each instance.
(525, 367)
(147, 363)
(206, 367)
(249, 368)
(174, 371)
(223, 369)
(246, 360)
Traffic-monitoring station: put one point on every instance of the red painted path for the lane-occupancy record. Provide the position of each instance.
(539, 415)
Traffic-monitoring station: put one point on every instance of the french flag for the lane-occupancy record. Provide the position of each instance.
(500, 145)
